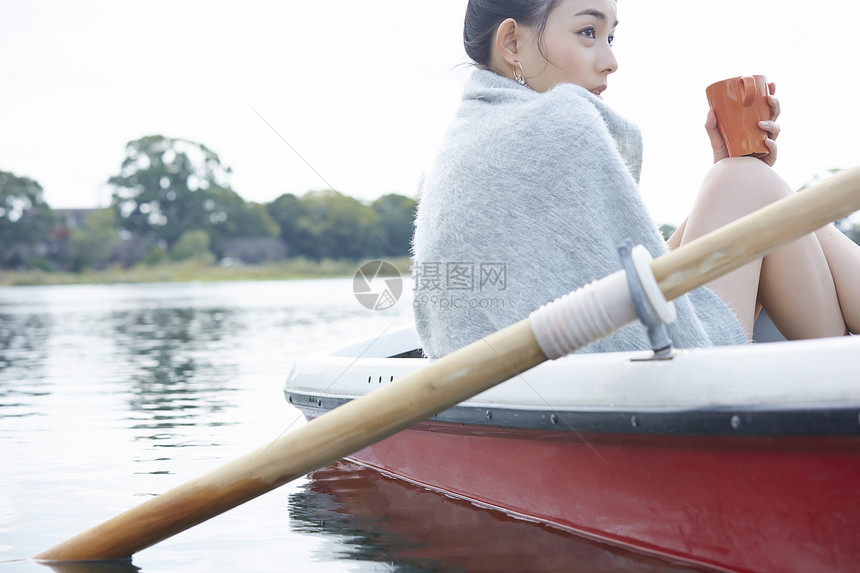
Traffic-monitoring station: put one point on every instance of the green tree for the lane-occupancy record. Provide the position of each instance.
(92, 244)
(667, 230)
(26, 220)
(167, 186)
(394, 230)
(154, 256)
(235, 218)
(193, 244)
(286, 211)
(335, 226)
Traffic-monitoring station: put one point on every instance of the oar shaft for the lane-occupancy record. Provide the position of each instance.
(439, 386)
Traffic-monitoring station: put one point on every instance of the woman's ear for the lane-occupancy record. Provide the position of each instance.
(506, 45)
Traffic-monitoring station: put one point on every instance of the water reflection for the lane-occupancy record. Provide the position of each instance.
(22, 359)
(369, 517)
(123, 566)
(20, 340)
(177, 372)
(104, 388)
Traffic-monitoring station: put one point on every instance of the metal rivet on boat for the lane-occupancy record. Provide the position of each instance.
(553, 418)
(489, 415)
(634, 421)
(291, 399)
(736, 422)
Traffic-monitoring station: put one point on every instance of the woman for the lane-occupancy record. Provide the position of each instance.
(536, 186)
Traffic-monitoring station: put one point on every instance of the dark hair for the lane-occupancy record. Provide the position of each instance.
(483, 18)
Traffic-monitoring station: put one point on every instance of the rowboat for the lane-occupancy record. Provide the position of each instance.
(741, 458)
(736, 458)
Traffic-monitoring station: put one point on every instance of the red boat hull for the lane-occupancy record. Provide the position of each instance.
(734, 503)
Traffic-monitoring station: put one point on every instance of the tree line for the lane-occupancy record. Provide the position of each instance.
(171, 200)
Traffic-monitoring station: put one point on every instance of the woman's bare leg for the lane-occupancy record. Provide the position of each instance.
(794, 283)
(843, 258)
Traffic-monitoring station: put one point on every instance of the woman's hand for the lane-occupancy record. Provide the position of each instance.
(717, 142)
(771, 127)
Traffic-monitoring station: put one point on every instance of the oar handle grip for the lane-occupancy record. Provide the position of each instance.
(583, 316)
(600, 308)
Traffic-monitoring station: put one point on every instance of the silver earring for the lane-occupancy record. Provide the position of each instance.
(518, 74)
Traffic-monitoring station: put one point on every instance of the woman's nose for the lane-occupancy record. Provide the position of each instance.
(607, 62)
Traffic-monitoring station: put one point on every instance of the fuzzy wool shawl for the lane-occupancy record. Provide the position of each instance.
(529, 199)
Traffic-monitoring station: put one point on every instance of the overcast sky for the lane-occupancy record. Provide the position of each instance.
(364, 90)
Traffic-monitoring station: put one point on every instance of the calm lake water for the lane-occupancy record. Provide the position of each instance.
(110, 395)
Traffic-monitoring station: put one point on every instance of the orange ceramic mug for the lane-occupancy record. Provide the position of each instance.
(740, 103)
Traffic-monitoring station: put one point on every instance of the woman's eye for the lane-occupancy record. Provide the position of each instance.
(588, 33)
(611, 39)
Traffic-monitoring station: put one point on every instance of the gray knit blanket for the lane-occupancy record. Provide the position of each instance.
(529, 199)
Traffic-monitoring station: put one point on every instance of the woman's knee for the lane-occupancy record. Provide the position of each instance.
(739, 185)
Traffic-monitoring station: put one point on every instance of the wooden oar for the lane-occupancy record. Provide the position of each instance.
(441, 385)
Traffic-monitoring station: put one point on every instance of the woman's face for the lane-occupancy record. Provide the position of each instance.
(576, 47)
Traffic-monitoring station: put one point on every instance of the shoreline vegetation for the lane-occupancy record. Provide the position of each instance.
(195, 270)
(174, 217)
(172, 204)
